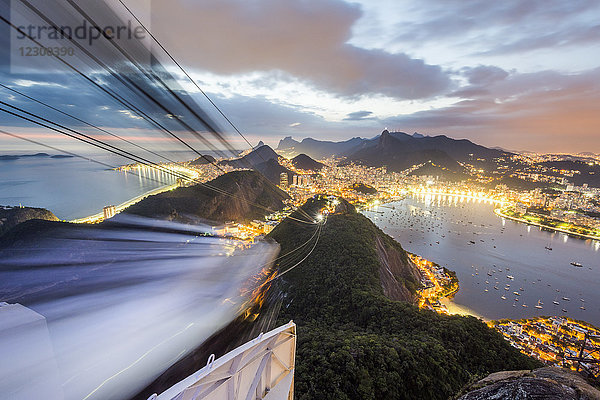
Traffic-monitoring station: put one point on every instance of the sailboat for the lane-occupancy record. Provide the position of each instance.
(576, 264)
(539, 304)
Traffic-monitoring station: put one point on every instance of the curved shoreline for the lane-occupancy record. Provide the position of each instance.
(100, 216)
(498, 212)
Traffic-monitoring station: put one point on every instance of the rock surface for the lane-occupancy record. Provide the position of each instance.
(549, 383)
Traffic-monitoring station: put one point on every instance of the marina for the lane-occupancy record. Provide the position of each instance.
(505, 253)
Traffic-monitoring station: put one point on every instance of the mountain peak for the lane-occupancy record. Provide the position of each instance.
(384, 138)
(287, 142)
(303, 161)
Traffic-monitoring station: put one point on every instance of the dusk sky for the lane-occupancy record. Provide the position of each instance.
(522, 75)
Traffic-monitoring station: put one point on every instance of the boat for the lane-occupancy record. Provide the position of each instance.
(563, 310)
(503, 297)
(524, 305)
(516, 293)
(510, 277)
(582, 307)
(539, 304)
(506, 288)
(485, 290)
(548, 248)
(576, 264)
(555, 302)
(566, 299)
(521, 289)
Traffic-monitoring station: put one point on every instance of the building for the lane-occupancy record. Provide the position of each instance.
(283, 179)
(109, 211)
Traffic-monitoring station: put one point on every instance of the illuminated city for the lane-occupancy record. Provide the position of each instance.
(316, 199)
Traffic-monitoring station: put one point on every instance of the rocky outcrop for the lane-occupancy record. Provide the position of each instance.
(549, 383)
(395, 268)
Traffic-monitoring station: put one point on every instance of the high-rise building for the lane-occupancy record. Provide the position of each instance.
(109, 211)
(283, 179)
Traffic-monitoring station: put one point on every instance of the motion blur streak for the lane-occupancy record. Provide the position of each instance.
(124, 301)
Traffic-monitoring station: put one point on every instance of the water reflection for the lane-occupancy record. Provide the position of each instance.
(464, 235)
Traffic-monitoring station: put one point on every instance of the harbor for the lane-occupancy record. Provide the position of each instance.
(506, 269)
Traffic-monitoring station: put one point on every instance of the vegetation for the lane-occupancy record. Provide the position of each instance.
(356, 343)
(12, 216)
(364, 188)
(302, 161)
(520, 184)
(551, 223)
(205, 159)
(452, 173)
(241, 196)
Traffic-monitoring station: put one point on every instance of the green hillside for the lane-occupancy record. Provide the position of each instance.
(354, 342)
(240, 196)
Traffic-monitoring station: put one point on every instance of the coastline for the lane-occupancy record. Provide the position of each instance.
(498, 212)
(457, 309)
(99, 217)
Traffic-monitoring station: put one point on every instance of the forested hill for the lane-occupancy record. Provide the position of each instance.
(239, 196)
(13, 216)
(354, 341)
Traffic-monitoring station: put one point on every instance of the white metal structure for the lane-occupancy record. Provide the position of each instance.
(260, 369)
(28, 369)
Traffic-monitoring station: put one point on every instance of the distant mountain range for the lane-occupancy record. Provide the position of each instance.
(398, 151)
(439, 156)
(318, 149)
(11, 157)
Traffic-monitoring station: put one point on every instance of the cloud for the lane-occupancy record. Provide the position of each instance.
(358, 116)
(484, 74)
(563, 38)
(543, 111)
(502, 27)
(305, 39)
